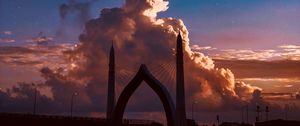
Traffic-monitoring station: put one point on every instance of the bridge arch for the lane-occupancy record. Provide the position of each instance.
(144, 75)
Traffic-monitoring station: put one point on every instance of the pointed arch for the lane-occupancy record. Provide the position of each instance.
(164, 96)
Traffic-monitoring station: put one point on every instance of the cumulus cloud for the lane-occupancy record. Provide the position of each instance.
(140, 37)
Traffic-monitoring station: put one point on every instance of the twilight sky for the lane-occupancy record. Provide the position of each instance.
(257, 40)
(237, 24)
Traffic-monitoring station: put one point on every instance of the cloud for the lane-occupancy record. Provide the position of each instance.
(140, 38)
(73, 16)
(7, 32)
(278, 96)
(297, 96)
(7, 40)
(245, 54)
(262, 69)
(284, 80)
(20, 98)
(39, 40)
(291, 52)
(289, 47)
(283, 52)
(201, 48)
(35, 56)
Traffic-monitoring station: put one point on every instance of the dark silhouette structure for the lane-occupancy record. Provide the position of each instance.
(278, 122)
(258, 114)
(111, 85)
(174, 116)
(180, 94)
(10, 119)
(267, 113)
(72, 103)
(144, 75)
(234, 124)
(34, 104)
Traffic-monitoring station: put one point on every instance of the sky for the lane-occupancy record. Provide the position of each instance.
(257, 43)
(210, 22)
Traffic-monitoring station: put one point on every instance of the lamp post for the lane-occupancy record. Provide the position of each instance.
(194, 102)
(258, 113)
(34, 103)
(72, 102)
(242, 114)
(218, 119)
(247, 109)
(245, 113)
(286, 111)
(267, 113)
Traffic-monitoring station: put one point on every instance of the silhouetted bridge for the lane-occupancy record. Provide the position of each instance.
(16, 119)
(175, 112)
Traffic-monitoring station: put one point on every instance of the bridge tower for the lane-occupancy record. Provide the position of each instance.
(180, 93)
(111, 85)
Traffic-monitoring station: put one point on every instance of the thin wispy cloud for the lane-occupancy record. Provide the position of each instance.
(282, 80)
(7, 40)
(262, 69)
(282, 52)
(5, 37)
(196, 47)
(35, 56)
(289, 47)
(7, 32)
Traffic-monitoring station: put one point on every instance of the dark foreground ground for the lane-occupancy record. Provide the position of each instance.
(278, 122)
(15, 119)
(9, 119)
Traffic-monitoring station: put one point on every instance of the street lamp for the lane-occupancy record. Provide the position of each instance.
(258, 113)
(34, 103)
(194, 102)
(218, 119)
(286, 107)
(245, 108)
(267, 113)
(247, 113)
(72, 102)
